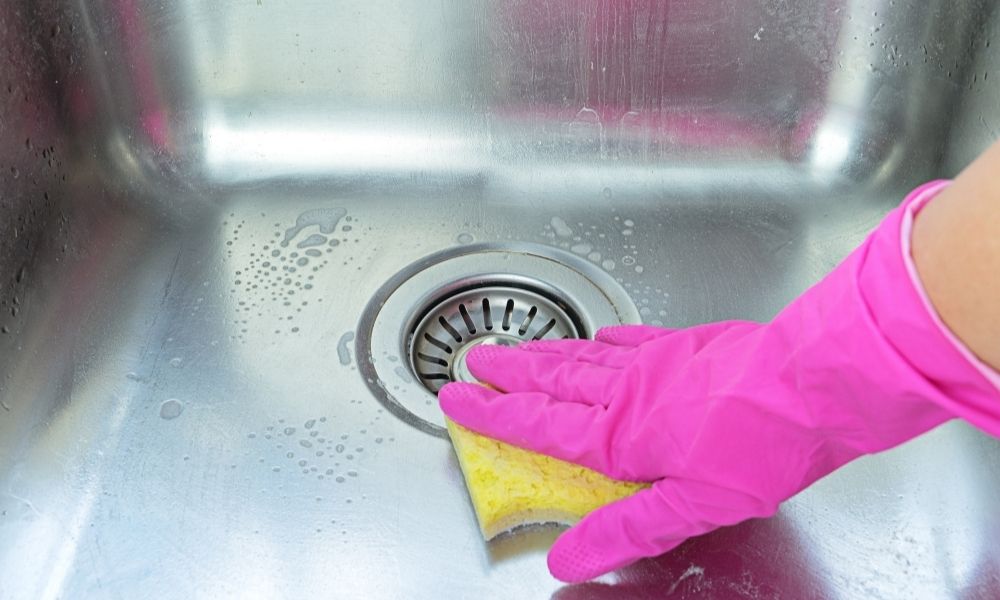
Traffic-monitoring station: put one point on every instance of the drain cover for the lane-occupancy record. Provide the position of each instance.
(416, 331)
(497, 314)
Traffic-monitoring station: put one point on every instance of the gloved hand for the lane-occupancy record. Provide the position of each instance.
(729, 419)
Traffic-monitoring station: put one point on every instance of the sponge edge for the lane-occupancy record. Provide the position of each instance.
(511, 487)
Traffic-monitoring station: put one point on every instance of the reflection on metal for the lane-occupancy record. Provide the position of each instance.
(176, 384)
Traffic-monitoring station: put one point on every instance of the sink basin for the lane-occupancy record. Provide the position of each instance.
(223, 223)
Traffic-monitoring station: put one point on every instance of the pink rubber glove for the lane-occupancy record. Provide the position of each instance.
(730, 419)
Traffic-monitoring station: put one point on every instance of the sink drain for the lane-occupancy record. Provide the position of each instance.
(493, 314)
(416, 331)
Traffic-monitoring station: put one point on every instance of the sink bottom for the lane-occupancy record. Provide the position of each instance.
(215, 435)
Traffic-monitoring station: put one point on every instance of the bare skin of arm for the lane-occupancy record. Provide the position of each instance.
(956, 248)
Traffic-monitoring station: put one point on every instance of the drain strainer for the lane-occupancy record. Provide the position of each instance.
(415, 333)
(495, 314)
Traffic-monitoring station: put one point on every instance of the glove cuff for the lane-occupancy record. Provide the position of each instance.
(919, 198)
(964, 385)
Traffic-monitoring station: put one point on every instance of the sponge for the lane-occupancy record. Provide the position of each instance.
(510, 486)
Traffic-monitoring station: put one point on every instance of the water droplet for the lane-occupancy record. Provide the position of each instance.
(176, 361)
(465, 238)
(289, 430)
(339, 448)
(171, 409)
(402, 373)
(560, 227)
(352, 473)
(340, 479)
(343, 352)
(324, 218)
(305, 443)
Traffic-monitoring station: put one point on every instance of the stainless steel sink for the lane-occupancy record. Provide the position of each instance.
(221, 220)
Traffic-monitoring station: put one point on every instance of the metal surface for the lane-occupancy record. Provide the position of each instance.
(167, 429)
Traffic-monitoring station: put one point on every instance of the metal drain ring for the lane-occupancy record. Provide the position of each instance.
(587, 295)
(493, 314)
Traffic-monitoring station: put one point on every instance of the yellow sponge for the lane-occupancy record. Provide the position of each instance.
(511, 486)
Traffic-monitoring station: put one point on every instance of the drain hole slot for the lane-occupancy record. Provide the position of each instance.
(451, 330)
(545, 329)
(435, 376)
(468, 320)
(508, 311)
(432, 359)
(527, 320)
(436, 342)
(487, 318)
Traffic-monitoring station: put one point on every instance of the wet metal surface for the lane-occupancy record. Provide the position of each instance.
(198, 202)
